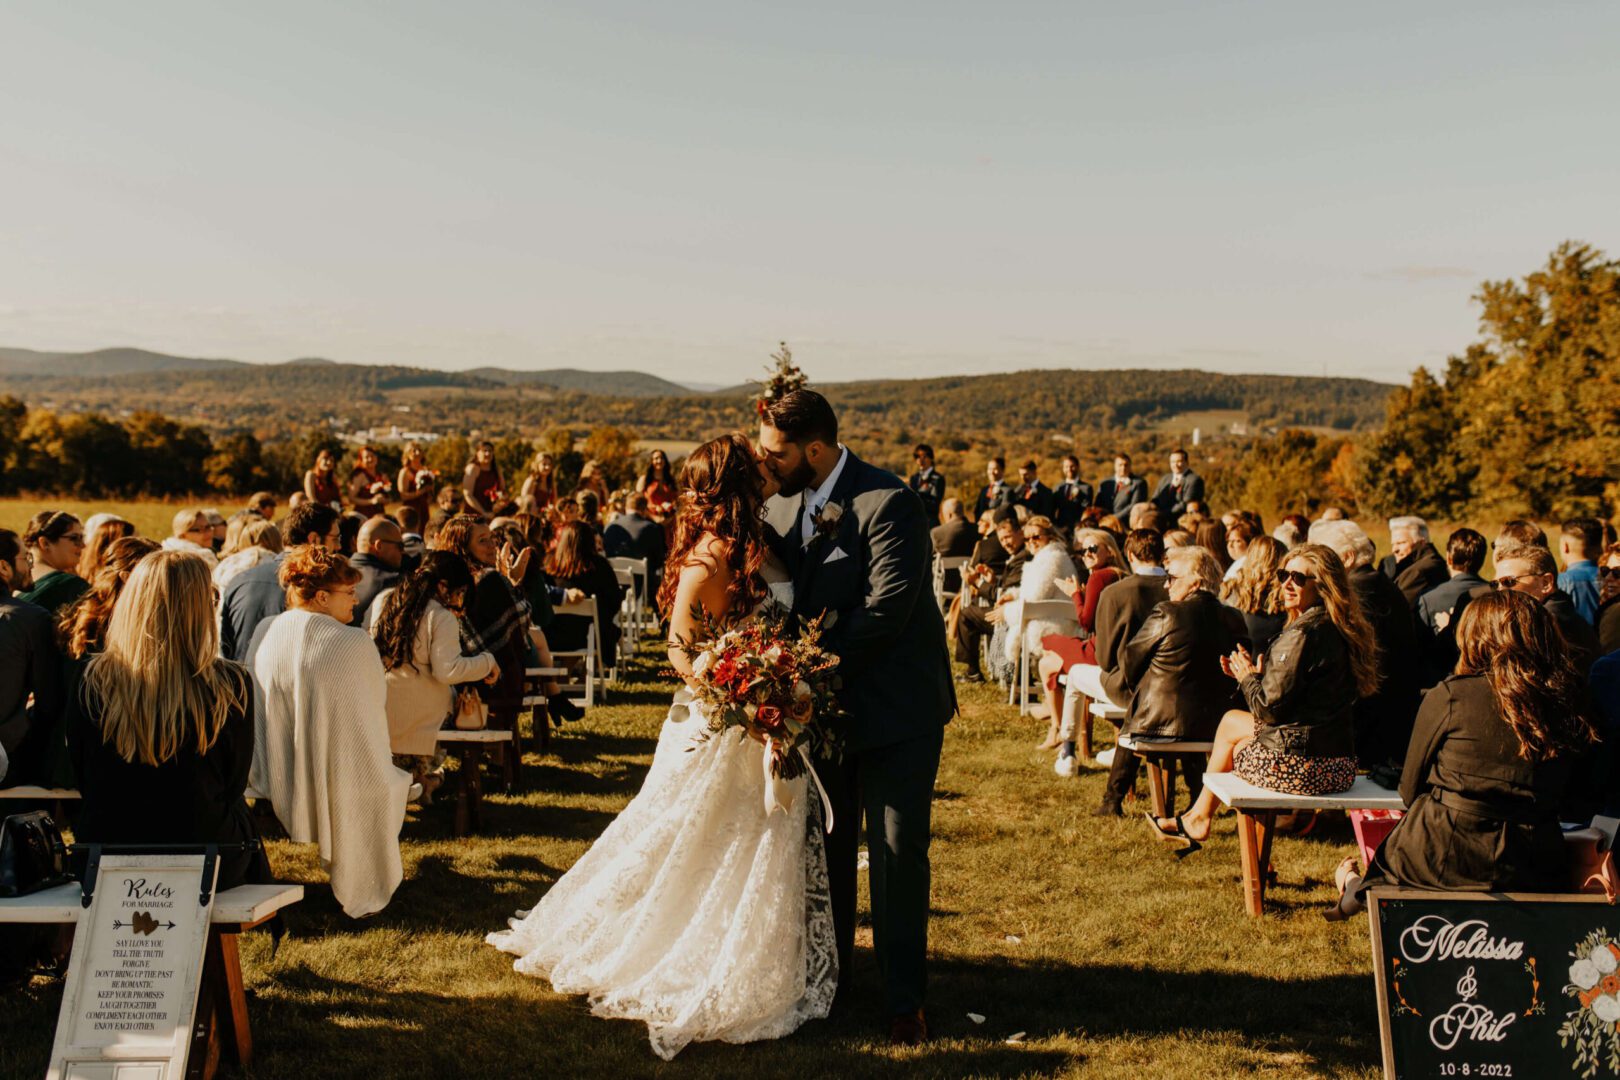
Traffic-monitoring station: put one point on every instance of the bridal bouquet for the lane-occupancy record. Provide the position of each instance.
(775, 687)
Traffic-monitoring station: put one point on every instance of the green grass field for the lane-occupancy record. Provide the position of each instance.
(1126, 963)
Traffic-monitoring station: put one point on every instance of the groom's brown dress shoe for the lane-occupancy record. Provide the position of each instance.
(908, 1029)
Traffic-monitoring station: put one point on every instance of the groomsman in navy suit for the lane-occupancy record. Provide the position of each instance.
(1123, 490)
(927, 483)
(995, 494)
(1031, 494)
(1072, 497)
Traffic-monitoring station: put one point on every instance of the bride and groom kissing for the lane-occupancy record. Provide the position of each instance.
(697, 912)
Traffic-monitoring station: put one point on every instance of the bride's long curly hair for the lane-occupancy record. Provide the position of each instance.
(721, 495)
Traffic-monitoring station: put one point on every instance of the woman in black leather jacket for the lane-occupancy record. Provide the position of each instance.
(1297, 735)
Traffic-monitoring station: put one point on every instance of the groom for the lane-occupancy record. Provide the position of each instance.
(856, 541)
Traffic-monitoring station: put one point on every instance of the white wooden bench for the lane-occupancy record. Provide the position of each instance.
(1257, 810)
(1079, 711)
(57, 797)
(221, 998)
(1161, 758)
(470, 745)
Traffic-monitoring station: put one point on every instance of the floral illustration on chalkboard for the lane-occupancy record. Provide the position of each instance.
(1594, 1027)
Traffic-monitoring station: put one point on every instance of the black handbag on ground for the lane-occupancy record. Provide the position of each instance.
(33, 855)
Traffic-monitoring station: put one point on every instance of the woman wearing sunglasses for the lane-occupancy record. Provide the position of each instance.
(1297, 735)
(1104, 565)
(55, 539)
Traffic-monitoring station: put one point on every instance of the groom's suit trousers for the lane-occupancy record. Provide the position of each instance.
(894, 785)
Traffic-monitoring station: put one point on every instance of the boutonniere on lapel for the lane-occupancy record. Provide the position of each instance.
(825, 521)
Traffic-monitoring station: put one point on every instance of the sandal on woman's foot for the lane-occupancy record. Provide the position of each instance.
(1188, 844)
(1341, 877)
(563, 710)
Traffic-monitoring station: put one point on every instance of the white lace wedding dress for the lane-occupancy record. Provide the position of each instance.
(696, 911)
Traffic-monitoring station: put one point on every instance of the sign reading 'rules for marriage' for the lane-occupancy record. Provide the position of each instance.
(134, 971)
(1510, 985)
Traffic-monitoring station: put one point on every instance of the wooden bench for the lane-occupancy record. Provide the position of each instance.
(1161, 758)
(222, 1019)
(1257, 810)
(470, 745)
(57, 797)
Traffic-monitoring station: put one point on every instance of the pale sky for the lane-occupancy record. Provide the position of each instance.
(898, 189)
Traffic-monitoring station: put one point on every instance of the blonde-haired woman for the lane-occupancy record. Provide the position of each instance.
(540, 486)
(257, 541)
(1255, 592)
(322, 755)
(1298, 735)
(1099, 553)
(1048, 564)
(162, 727)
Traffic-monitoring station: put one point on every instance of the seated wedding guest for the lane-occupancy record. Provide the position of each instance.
(1211, 536)
(1292, 530)
(320, 482)
(593, 478)
(589, 506)
(368, 487)
(296, 499)
(1171, 667)
(193, 535)
(953, 537)
(1111, 524)
(1465, 557)
(1298, 733)
(30, 667)
(1123, 490)
(1238, 537)
(262, 503)
(1579, 543)
(996, 493)
(539, 490)
(446, 506)
(256, 542)
(55, 539)
(1178, 487)
(1531, 570)
(1495, 747)
(1179, 538)
(162, 731)
(1048, 565)
(410, 533)
(1030, 493)
(634, 535)
(106, 530)
(1255, 594)
(1330, 513)
(216, 522)
(1608, 620)
(349, 532)
(1072, 497)
(379, 553)
(1124, 607)
(927, 482)
(416, 482)
(81, 632)
(582, 574)
(1383, 719)
(483, 493)
(417, 630)
(1514, 535)
(321, 754)
(497, 619)
(256, 594)
(1059, 652)
(527, 532)
(1412, 564)
(984, 590)
(1145, 515)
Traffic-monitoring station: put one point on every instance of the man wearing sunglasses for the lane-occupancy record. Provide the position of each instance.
(1532, 571)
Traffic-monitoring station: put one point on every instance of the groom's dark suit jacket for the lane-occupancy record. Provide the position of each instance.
(888, 633)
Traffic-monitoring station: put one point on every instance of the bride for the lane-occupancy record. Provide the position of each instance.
(696, 911)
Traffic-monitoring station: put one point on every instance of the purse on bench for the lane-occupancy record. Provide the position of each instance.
(33, 855)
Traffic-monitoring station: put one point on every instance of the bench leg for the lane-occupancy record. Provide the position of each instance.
(471, 796)
(1265, 824)
(221, 1033)
(1248, 856)
(1157, 794)
(1085, 729)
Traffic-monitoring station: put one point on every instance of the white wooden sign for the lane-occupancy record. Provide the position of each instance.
(134, 971)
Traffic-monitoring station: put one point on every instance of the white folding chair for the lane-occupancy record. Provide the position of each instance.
(1031, 611)
(597, 668)
(640, 584)
(943, 565)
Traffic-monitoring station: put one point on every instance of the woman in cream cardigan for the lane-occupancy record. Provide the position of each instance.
(1048, 564)
(418, 632)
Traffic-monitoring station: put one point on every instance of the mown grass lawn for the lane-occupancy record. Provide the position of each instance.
(1127, 962)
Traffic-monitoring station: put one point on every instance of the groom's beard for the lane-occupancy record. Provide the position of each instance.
(797, 480)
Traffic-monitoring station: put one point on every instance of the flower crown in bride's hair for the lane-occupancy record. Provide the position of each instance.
(785, 378)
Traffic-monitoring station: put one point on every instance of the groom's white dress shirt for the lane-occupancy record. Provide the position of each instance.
(816, 498)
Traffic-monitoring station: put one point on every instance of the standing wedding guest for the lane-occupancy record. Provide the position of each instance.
(163, 730)
(30, 667)
(1211, 536)
(1071, 498)
(1031, 494)
(1123, 490)
(928, 482)
(592, 478)
(55, 539)
(539, 491)
(996, 493)
(256, 542)
(1255, 593)
(1495, 748)
(1413, 564)
(257, 594)
(483, 494)
(1465, 557)
(321, 756)
(582, 574)
(106, 530)
(1608, 620)
(1531, 570)
(193, 535)
(368, 487)
(1104, 565)
(1298, 734)
(1579, 543)
(416, 627)
(1178, 487)
(320, 482)
(415, 481)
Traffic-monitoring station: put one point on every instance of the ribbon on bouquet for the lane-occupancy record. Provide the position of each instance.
(779, 792)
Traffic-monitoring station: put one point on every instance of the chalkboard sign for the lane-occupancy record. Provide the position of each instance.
(1496, 985)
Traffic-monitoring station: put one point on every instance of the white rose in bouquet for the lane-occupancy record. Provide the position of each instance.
(705, 660)
(1607, 1008)
(1584, 974)
(1603, 959)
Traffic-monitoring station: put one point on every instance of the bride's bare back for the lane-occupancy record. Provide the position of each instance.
(704, 579)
